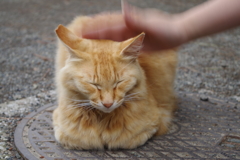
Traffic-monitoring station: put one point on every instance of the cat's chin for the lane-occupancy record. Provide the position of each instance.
(106, 110)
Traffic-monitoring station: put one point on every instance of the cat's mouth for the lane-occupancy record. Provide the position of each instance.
(107, 108)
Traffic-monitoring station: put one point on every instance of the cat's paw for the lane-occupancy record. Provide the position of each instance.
(161, 131)
(76, 141)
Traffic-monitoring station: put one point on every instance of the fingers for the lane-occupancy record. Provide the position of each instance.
(117, 28)
(116, 33)
(128, 14)
(133, 16)
(104, 26)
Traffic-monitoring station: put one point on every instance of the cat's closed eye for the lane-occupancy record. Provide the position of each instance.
(98, 86)
(117, 83)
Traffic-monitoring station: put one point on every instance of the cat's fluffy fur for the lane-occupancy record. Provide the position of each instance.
(109, 95)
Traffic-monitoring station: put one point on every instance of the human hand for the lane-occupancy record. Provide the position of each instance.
(163, 31)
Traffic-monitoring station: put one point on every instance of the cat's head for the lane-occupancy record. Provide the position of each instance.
(107, 73)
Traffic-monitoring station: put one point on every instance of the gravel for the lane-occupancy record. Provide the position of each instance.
(208, 66)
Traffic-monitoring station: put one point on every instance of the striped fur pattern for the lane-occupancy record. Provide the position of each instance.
(110, 95)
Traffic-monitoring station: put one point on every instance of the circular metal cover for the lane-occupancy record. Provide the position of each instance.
(202, 129)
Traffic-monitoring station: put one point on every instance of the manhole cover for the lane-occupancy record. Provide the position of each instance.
(201, 129)
(231, 142)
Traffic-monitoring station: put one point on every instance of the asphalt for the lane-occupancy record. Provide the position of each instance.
(209, 66)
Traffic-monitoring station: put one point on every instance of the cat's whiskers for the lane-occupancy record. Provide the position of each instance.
(79, 100)
(80, 104)
(71, 107)
(132, 94)
(89, 108)
(83, 104)
(94, 103)
(133, 97)
(119, 102)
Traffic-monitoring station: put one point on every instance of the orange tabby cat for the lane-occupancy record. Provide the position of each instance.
(110, 95)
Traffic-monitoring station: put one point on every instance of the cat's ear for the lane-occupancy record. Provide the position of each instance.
(133, 46)
(68, 38)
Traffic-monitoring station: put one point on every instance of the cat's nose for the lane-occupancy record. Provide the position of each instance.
(107, 105)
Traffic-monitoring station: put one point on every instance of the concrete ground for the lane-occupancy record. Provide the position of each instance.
(209, 66)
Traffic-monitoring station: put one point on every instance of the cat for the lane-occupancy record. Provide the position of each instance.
(110, 95)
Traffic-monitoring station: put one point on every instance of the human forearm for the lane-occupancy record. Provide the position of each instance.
(209, 18)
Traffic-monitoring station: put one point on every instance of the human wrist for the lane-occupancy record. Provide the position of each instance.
(181, 29)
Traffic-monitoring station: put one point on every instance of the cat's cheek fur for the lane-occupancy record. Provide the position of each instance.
(68, 81)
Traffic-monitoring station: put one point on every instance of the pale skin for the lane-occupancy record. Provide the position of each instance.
(165, 31)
